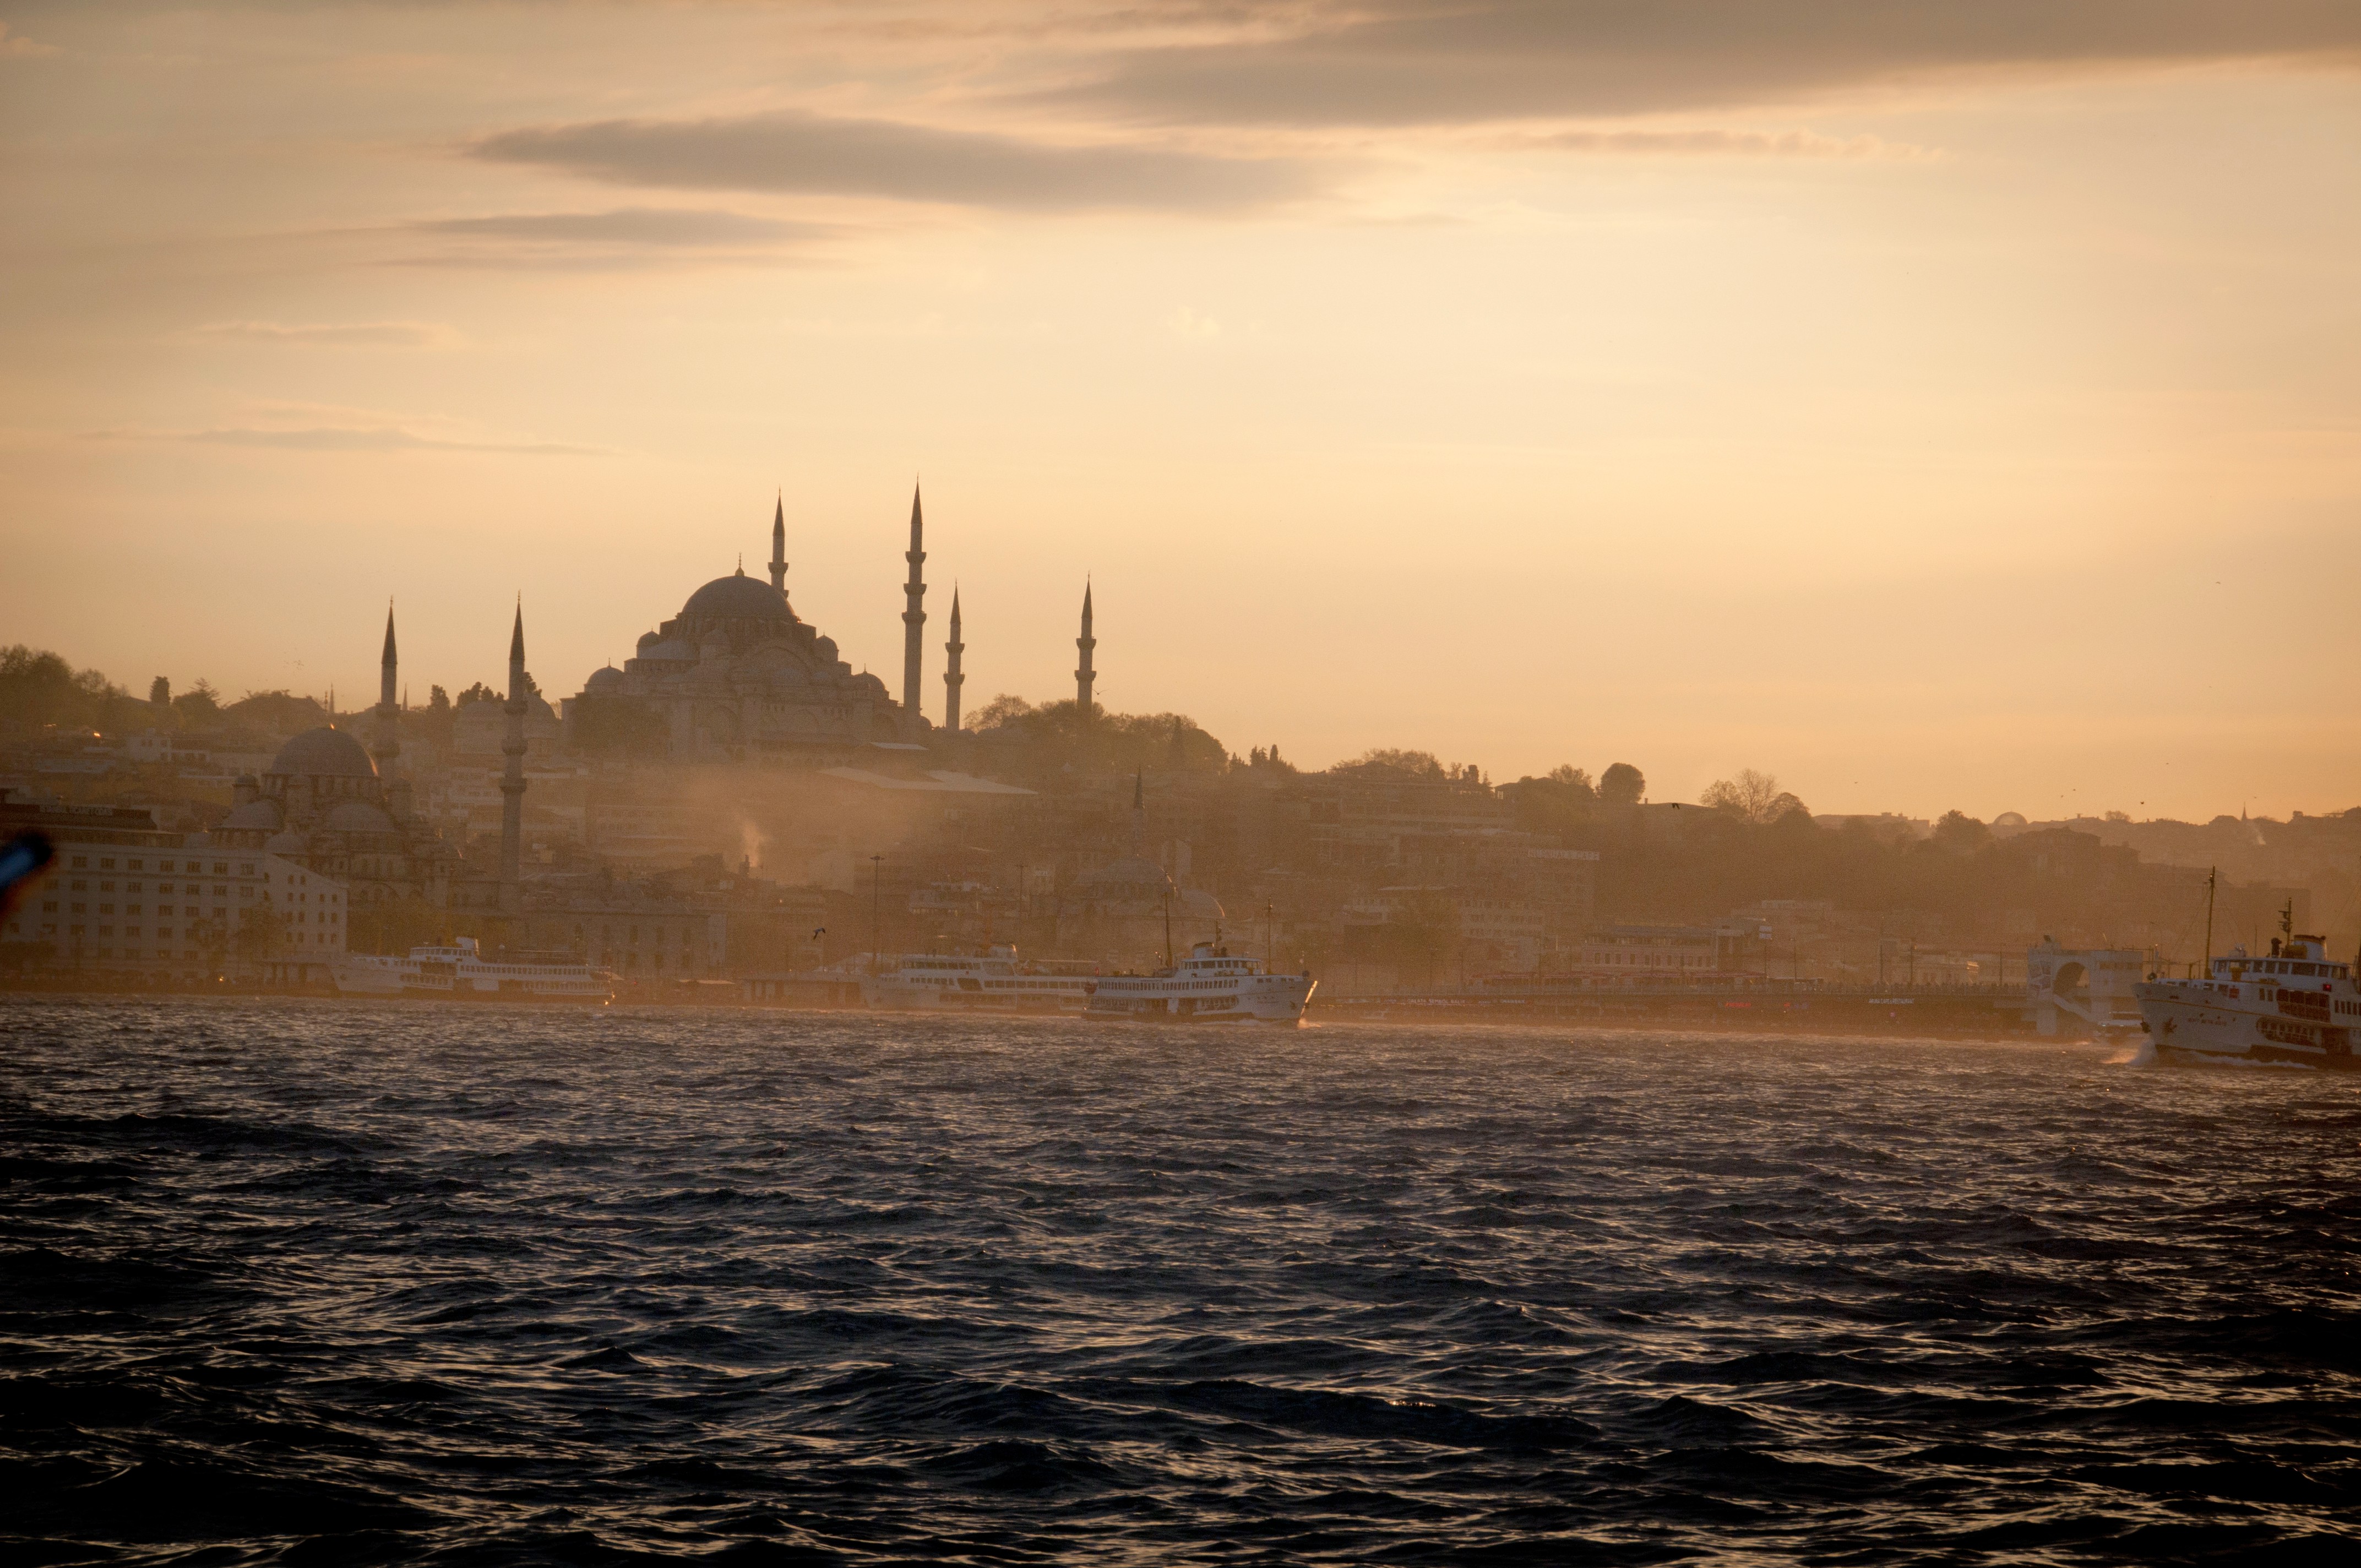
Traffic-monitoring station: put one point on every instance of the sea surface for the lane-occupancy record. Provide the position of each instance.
(308, 1283)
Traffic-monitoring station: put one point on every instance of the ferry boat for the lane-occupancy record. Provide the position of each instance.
(461, 972)
(997, 982)
(1211, 985)
(2294, 1006)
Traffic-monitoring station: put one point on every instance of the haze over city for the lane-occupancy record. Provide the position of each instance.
(1954, 409)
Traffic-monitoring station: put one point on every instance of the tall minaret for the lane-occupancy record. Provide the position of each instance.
(1139, 814)
(952, 679)
(512, 778)
(1085, 675)
(914, 617)
(388, 730)
(779, 544)
(388, 738)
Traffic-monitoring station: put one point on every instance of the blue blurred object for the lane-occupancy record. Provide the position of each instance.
(20, 858)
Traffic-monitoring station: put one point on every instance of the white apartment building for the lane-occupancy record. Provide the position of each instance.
(124, 898)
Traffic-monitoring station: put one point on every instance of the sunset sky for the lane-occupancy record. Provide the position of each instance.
(1932, 404)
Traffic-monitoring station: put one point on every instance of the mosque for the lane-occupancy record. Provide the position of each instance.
(329, 806)
(739, 676)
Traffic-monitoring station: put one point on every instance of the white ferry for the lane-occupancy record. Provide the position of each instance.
(996, 982)
(1210, 985)
(460, 972)
(2293, 1006)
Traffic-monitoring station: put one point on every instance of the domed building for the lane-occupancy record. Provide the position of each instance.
(324, 804)
(738, 674)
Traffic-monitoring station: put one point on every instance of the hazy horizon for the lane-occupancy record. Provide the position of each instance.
(1956, 413)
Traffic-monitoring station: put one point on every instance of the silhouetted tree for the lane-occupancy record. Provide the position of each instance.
(1622, 784)
(1961, 833)
(200, 705)
(1753, 797)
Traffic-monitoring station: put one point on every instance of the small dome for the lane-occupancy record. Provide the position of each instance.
(648, 640)
(607, 679)
(326, 752)
(740, 597)
(285, 844)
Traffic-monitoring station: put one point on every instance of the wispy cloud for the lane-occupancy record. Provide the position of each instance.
(1418, 62)
(344, 438)
(625, 237)
(1722, 144)
(793, 151)
(664, 227)
(328, 335)
(22, 48)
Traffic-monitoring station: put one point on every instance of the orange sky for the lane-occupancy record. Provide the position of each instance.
(1936, 405)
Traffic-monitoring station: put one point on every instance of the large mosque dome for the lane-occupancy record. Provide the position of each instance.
(327, 753)
(739, 597)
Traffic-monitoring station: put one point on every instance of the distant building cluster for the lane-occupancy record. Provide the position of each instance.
(737, 801)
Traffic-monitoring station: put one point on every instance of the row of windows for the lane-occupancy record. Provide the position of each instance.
(2272, 966)
(106, 863)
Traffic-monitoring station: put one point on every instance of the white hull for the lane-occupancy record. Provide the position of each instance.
(460, 973)
(1190, 998)
(2242, 1020)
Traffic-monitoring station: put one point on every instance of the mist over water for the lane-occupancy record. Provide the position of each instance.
(306, 1282)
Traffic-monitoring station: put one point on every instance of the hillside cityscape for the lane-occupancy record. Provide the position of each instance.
(735, 808)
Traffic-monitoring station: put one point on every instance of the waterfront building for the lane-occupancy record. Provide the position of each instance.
(126, 900)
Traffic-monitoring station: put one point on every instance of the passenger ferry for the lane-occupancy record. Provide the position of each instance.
(1211, 985)
(997, 982)
(2295, 1005)
(460, 972)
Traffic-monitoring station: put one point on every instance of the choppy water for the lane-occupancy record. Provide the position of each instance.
(305, 1283)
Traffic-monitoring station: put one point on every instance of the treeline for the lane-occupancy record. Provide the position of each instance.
(40, 691)
(1032, 741)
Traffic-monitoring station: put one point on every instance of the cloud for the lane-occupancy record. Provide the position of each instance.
(1723, 143)
(661, 227)
(1421, 61)
(328, 335)
(22, 48)
(344, 438)
(804, 153)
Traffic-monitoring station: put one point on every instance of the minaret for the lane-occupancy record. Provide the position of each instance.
(388, 730)
(779, 545)
(914, 617)
(952, 679)
(1085, 675)
(1139, 814)
(388, 738)
(512, 778)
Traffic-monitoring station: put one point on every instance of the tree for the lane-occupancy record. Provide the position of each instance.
(1753, 797)
(1961, 833)
(200, 705)
(1002, 709)
(277, 712)
(160, 692)
(1557, 802)
(1410, 764)
(260, 932)
(38, 688)
(1622, 784)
